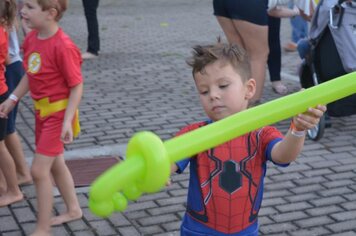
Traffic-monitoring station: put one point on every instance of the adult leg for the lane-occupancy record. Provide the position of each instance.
(255, 39)
(230, 31)
(275, 55)
(64, 181)
(90, 7)
(2, 183)
(13, 193)
(41, 174)
(14, 146)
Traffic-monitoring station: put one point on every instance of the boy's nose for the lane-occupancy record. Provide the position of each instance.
(214, 94)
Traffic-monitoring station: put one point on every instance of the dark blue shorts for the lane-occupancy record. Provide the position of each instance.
(3, 122)
(13, 75)
(253, 11)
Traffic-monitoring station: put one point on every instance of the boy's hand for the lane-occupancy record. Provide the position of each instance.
(6, 107)
(309, 119)
(67, 133)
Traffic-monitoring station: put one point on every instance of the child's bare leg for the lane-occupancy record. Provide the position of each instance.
(41, 174)
(65, 184)
(14, 146)
(13, 193)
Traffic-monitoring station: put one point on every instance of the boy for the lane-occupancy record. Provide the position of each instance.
(53, 76)
(226, 182)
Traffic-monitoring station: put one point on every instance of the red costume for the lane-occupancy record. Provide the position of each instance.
(226, 184)
(53, 67)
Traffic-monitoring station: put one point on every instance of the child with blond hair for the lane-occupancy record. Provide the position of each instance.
(53, 76)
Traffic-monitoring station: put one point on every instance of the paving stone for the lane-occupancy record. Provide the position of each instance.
(128, 231)
(165, 209)
(310, 232)
(4, 211)
(349, 205)
(12, 233)
(278, 228)
(8, 224)
(78, 225)
(314, 221)
(325, 210)
(301, 197)
(349, 233)
(294, 206)
(335, 191)
(118, 219)
(151, 230)
(83, 233)
(342, 226)
(24, 214)
(157, 219)
(172, 200)
(328, 201)
(307, 188)
(141, 206)
(288, 217)
(342, 216)
(102, 227)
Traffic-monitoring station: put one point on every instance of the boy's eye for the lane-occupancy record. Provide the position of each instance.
(204, 92)
(223, 86)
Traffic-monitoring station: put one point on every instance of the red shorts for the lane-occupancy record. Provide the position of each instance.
(48, 134)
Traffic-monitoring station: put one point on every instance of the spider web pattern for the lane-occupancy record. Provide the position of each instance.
(225, 211)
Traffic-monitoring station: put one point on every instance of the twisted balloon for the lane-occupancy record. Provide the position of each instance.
(148, 159)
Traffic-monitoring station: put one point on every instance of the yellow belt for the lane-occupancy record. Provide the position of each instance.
(47, 108)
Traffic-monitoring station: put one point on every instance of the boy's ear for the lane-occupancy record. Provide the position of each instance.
(250, 88)
(53, 13)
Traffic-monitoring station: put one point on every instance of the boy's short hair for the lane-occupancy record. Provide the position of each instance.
(60, 6)
(226, 53)
(8, 12)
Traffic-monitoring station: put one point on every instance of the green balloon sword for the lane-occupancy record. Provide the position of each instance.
(148, 159)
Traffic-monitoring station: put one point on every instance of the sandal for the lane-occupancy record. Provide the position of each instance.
(279, 88)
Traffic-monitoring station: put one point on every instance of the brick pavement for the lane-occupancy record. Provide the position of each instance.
(141, 82)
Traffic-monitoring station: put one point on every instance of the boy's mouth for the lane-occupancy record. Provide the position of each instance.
(217, 108)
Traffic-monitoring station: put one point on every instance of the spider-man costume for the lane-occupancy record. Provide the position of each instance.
(226, 184)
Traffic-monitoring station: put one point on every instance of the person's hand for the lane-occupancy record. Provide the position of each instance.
(6, 107)
(296, 11)
(67, 133)
(309, 119)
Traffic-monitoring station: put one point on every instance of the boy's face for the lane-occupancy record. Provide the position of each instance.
(34, 16)
(222, 91)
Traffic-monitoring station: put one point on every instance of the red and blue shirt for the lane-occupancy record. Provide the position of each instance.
(226, 184)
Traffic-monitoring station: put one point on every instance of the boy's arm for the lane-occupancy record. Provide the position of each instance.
(9, 104)
(73, 103)
(289, 148)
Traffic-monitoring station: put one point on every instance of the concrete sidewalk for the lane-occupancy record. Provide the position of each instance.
(141, 82)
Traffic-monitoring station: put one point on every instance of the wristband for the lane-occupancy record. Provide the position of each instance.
(14, 98)
(295, 131)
